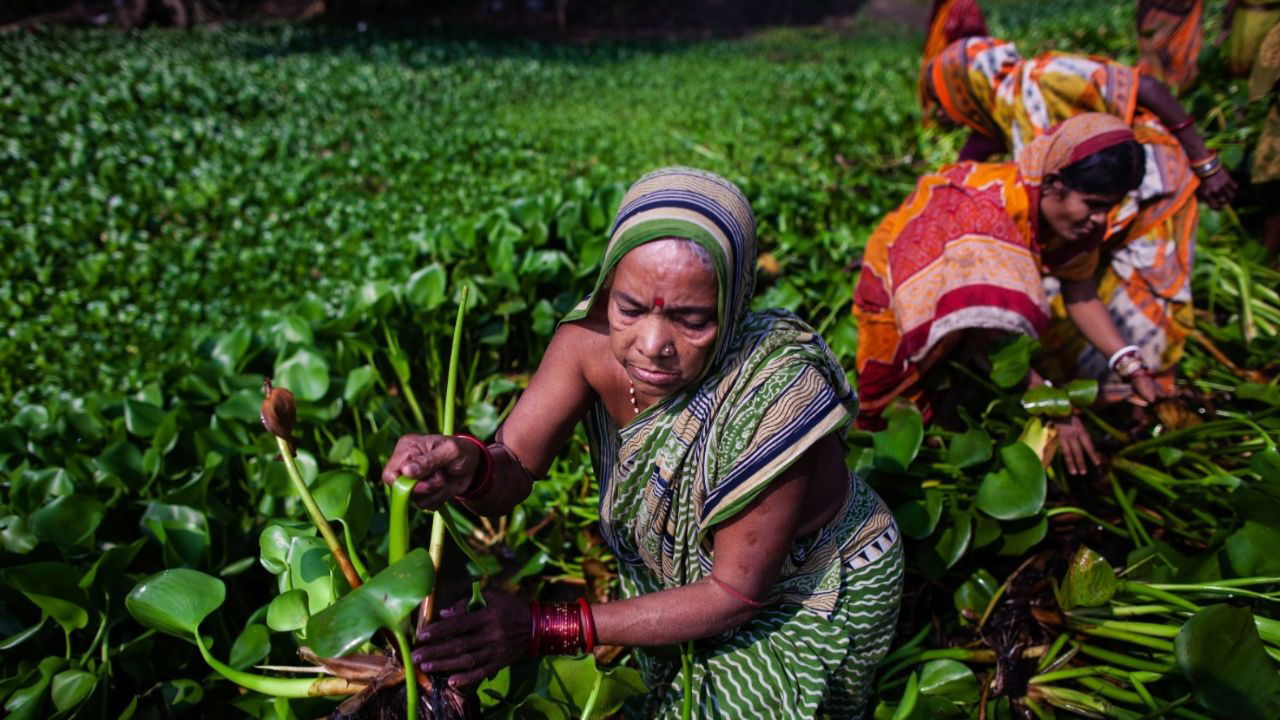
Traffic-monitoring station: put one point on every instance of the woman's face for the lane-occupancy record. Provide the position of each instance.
(1073, 215)
(662, 315)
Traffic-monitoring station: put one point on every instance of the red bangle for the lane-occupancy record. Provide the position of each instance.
(535, 629)
(556, 629)
(478, 488)
(588, 625)
(739, 596)
(1179, 127)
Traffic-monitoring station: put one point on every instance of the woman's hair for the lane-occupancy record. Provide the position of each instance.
(1116, 170)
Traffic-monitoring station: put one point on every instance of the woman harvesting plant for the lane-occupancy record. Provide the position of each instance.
(964, 253)
(968, 78)
(716, 435)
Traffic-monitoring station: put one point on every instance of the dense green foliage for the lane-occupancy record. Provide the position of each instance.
(183, 214)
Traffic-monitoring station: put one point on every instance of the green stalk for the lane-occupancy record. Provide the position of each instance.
(317, 517)
(1137, 588)
(590, 706)
(436, 546)
(279, 687)
(1071, 510)
(398, 533)
(1129, 637)
(410, 677)
(1139, 533)
(1121, 659)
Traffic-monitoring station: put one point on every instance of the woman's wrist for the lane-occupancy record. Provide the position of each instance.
(482, 477)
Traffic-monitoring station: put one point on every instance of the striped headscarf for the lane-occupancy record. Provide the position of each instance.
(695, 205)
(1071, 141)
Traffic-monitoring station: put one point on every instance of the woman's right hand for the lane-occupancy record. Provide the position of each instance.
(443, 466)
(1076, 445)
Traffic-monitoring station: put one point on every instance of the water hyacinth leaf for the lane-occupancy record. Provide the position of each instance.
(896, 446)
(182, 531)
(1022, 535)
(292, 330)
(24, 634)
(274, 542)
(1258, 501)
(571, 680)
(1011, 361)
(305, 374)
(313, 569)
(949, 679)
(383, 602)
(1266, 464)
(357, 380)
(27, 702)
(142, 418)
(1090, 581)
(909, 706)
(68, 521)
(482, 419)
(16, 536)
(1251, 550)
(71, 687)
(536, 707)
(241, 405)
(985, 531)
(1045, 400)
(176, 601)
(918, 518)
(250, 647)
(288, 611)
(53, 587)
(345, 496)
(1017, 490)
(973, 596)
(231, 347)
(1220, 653)
(972, 447)
(425, 289)
(955, 539)
(1083, 393)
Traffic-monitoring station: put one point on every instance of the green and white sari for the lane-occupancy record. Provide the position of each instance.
(699, 457)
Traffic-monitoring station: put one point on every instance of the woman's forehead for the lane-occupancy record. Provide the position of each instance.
(669, 265)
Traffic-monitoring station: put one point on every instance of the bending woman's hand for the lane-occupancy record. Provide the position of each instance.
(443, 466)
(1146, 388)
(470, 646)
(1077, 446)
(1218, 190)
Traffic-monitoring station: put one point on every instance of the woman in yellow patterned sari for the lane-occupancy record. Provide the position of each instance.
(1007, 101)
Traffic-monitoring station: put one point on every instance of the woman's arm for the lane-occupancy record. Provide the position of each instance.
(979, 147)
(1095, 323)
(1218, 189)
(557, 397)
(749, 551)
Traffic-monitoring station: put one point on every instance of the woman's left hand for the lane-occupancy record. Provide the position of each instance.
(470, 646)
(1218, 190)
(1146, 388)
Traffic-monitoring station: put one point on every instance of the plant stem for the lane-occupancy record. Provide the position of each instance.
(590, 706)
(317, 517)
(280, 687)
(398, 534)
(410, 677)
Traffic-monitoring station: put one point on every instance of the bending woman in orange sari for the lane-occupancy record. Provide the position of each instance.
(964, 256)
(1007, 101)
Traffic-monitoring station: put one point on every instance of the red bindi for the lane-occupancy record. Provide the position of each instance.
(658, 303)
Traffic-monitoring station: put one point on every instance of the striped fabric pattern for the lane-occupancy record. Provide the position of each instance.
(695, 459)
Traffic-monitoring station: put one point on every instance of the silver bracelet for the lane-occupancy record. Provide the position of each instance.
(1121, 353)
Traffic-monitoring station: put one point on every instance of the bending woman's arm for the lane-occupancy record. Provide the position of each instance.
(749, 551)
(1091, 316)
(1217, 189)
(541, 422)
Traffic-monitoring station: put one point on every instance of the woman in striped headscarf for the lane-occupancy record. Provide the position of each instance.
(1145, 277)
(716, 437)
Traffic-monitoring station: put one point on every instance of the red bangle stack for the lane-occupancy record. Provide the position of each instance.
(561, 628)
(1179, 127)
(479, 486)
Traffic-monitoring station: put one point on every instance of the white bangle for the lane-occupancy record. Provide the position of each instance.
(1121, 353)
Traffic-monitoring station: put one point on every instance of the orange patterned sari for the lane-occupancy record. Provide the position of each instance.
(1170, 33)
(962, 253)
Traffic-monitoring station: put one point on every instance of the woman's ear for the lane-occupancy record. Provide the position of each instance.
(1053, 184)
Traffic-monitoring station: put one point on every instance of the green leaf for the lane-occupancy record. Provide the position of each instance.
(972, 447)
(896, 446)
(345, 496)
(176, 601)
(908, 706)
(1016, 491)
(1010, 362)
(27, 702)
(243, 405)
(53, 588)
(570, 681)
(918, 518)
(182, 531)
(949, 679)
(313, 569)
(1220, 653)
(230, 347)
(68, 521)
(71, 687)
(1090, 580)
(1251, 550)
(1083, 393)
(954, 540)
(973, 596)
(1045, 400)
(357, 380)
(142, 418)
(288, 611)
(250, 647)
(274, 543)
(425, 289)
(24, 634)
(1022, 535)
(383, 602)
(305, 374)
